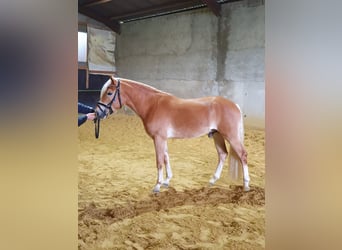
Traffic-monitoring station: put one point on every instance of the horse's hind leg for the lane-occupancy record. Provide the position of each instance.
(242, 154)
(222, 155)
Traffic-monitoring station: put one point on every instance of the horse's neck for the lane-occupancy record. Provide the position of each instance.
(139, 98)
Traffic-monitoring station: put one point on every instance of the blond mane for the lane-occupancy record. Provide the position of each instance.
(144, 86)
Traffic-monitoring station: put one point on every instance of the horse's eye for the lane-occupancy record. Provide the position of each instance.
(109, 93)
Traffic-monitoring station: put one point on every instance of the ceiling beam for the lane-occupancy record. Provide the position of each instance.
(213, 6)
(112, 24)
(95, 2)
(155, 10)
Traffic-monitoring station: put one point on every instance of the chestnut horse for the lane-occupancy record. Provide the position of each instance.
(166, 116)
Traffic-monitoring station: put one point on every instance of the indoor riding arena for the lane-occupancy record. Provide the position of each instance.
(189, 49)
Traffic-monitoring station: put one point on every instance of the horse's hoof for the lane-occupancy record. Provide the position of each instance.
(212, 181)
(165, 185)
(246, 189)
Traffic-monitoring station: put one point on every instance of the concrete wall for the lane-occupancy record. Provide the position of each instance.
(194, 54)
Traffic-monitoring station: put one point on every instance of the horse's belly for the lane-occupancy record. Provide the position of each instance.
(187, 132)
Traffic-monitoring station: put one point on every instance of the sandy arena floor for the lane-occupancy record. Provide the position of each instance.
(117, 209)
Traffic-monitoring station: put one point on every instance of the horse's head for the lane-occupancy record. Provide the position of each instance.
(109, 93)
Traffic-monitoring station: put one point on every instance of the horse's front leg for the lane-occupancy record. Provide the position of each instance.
(160, 147)
(167, 167)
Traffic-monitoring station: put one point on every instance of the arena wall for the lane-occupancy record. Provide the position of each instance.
(194, 54)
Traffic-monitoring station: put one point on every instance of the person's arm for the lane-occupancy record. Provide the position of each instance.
(84, 109)
(82, 119)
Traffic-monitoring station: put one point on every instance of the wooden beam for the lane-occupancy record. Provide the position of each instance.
(95, 2)
(112, 24)
(213, 6)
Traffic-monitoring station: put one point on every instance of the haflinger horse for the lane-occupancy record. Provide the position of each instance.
(167, 116)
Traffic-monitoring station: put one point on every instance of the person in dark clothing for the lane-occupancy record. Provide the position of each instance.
(87, 113)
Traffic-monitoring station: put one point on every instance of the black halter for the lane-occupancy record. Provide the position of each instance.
(109, 105)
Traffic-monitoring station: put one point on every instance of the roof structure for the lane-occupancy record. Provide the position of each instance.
(113, 13)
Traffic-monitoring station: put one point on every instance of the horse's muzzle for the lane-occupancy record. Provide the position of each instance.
(100, 114)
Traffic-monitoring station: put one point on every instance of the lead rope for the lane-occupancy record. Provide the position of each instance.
(97, 127)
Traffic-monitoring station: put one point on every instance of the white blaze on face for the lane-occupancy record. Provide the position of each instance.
(104, 88)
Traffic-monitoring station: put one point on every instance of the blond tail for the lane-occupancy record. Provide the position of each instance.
(234, 160)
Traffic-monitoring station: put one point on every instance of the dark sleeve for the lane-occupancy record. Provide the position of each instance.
(82, 119)
(84, 109)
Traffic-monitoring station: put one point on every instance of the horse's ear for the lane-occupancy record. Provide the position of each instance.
(112, 79)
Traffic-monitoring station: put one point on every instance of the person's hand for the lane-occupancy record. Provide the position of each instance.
(91, 116)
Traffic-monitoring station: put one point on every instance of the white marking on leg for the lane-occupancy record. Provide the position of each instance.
(156, 188)
(160, 175)
(246, 178)
(217, 173)
(168, 170)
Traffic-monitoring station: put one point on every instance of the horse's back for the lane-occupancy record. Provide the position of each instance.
(210, 106)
